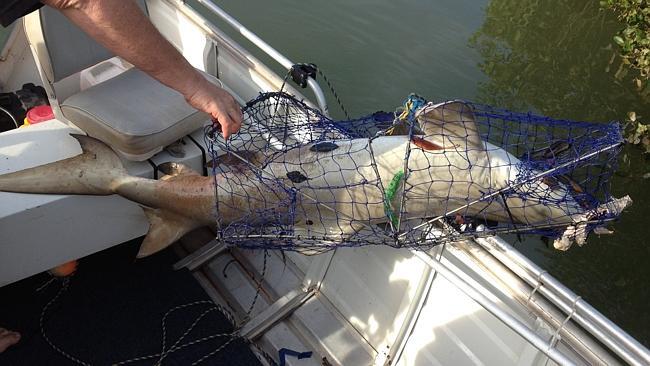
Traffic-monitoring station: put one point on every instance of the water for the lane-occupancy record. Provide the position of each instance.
(553, 57)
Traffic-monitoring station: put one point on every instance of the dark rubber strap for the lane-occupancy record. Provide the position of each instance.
(10, 10)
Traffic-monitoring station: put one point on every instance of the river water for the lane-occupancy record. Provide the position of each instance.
(553, 57)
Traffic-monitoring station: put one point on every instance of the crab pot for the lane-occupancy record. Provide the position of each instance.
(427, 174)
(526, 174)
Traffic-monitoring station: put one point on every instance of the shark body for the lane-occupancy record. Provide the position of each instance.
(448, 167)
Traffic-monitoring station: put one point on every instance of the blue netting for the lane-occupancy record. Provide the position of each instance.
(294, 179)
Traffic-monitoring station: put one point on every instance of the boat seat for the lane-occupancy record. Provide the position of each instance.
(133, 113)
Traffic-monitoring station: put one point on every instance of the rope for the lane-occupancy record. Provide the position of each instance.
(336, 96)
(65, 283)
(556, 335)
(177, 345)
(537, 286)
(411, 105)
(307, 71)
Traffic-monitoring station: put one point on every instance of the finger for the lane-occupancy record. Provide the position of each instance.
(235, 126)
(230, 124)
(216, 126)
(236, 115)
(227, 126)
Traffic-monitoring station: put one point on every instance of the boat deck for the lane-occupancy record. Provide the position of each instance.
(112, 312)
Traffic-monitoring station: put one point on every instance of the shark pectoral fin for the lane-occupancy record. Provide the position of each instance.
(165, 229)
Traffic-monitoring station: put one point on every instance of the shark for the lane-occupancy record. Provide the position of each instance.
(341, 184)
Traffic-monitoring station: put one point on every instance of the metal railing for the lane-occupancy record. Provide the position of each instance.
(584, 314)
(266, 48)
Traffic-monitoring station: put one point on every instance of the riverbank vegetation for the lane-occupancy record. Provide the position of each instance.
(634, 39)
(634, 47)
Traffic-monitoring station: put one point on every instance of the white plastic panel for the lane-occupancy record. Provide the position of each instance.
(57, 229)
(36, 145)
(315, 326)
(189, 39)
(38, 232)
(17, 66)
(301, 261)
(449, 329)
(372, 287)
(279, 278)
(326, 328)
(234, 285)
(454, 330)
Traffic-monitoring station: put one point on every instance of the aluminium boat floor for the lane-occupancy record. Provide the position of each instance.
(112, 312)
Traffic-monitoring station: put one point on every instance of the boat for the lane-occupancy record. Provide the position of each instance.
(477, 301)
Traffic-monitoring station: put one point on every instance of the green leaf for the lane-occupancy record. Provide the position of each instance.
(619, 40)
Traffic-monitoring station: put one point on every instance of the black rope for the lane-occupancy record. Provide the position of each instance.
(336, 96)
(301, 73)
(165, 352)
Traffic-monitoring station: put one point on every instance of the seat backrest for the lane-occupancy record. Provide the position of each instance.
(69, 49)
(62, 48)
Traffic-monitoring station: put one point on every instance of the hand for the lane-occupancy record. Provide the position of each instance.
(219, 104)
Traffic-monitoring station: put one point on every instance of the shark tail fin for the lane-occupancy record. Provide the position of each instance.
(93, 172)
(165, 228)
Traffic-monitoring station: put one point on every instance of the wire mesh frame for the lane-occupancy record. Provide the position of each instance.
(285, 124)
(326, 128)
(592, 145)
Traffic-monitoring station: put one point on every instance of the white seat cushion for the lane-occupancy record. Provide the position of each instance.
(133, 113)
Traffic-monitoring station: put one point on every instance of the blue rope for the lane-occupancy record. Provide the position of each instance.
(284, 352)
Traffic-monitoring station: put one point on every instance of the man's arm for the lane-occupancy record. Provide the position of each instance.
(121, 27)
